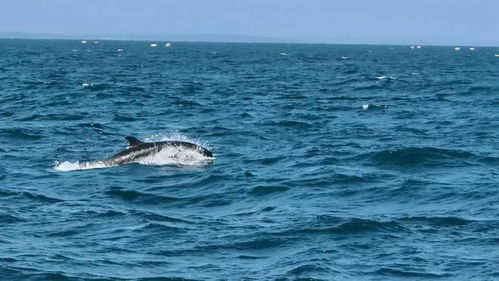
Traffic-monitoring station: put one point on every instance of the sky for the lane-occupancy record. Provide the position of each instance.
(435, 22)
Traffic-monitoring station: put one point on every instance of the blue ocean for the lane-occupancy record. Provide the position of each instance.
(331, 162)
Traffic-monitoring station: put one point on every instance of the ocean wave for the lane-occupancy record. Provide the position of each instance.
(408, 273)
(40, 197)
(155, 217)
(419, 156)
(437, 221)
(55, 117)
(264, 190)
(9, 218)
(23, 134)
(7, 193)
(313, 269)
(32, 274)
(352, 226)
(92, 125)
(124, 118)
(291, 124)
(159, 227)
(141, 197)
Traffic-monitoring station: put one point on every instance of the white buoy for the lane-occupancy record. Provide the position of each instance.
(168, 44)
(84, 41)
(457, 49)
(472, 49)
(153, 45)
(418, 46)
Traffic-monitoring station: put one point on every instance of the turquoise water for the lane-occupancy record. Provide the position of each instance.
(308, 181)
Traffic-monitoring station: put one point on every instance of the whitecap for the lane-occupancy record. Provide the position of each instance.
(374, 106)
(67, 166)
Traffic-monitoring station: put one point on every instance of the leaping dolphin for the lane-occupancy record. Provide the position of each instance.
(139, 149)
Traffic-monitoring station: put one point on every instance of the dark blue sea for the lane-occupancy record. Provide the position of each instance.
(332, 162)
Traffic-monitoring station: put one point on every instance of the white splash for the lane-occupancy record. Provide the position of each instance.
(153, 45)
(84, 41)
(67, 166)
(175, 135)
(381, 77)
(284, 54)
(168, 44)
(457, 49)
(176, 156)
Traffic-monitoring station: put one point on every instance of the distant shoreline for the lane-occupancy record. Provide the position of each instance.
(206, 38)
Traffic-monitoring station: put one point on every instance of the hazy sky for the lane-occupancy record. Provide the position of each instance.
(470, 22)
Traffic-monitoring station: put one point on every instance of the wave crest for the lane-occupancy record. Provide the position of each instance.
(419, 156)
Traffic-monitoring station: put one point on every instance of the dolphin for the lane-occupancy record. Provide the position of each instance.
(139, 149)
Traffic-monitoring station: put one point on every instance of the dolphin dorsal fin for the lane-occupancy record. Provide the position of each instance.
(133, 141)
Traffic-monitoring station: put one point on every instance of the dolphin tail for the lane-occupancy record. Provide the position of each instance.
(133, 141)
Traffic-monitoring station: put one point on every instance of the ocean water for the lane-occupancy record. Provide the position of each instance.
(332, 162)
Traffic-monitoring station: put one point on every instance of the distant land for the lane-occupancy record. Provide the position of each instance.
(151, 37)
(235, 38)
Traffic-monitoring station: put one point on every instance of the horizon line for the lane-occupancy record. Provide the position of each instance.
(250, 39)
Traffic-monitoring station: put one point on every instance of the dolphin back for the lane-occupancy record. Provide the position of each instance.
(139, 149)
(133, 141)
(188, 145)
